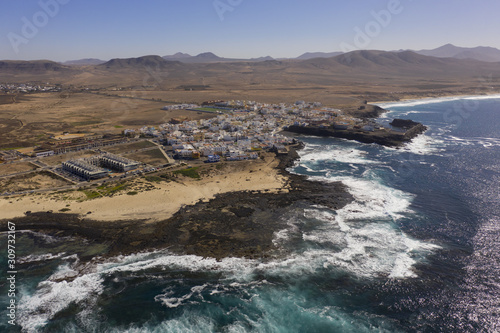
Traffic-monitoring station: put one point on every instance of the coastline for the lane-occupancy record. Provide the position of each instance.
(430, 99)
(238, 222)
(186, 215)
(162, 199)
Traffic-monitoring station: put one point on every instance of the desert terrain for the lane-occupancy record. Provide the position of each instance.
(121, 93)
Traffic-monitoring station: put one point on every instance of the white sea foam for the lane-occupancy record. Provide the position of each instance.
(497, 96)
(173, 302)
(186, 324)
(367, 249)
(40, 257)
(485, 142)
(166, 260)
(363, 230)
(372, 199)
(46, 238)
(348, 155)
(51, 297)
(424, 145)
(282, 236)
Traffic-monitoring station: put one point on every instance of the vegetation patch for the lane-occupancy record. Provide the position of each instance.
(190, 172)
(115, 189)
(64, 210)
(104, 190)
(132, 193)
(12, 148)
(154, 179)
(87, 122)
(91, 194)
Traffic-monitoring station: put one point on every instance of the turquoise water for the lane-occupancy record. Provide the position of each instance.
(416, 251)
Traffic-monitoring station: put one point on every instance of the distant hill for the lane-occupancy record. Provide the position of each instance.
(178, 55)
(481, 53)
(373, 59)
(208, 57)
(35, 66)
(398, 64)
(84, 62)
(153, 61)
(312, 55)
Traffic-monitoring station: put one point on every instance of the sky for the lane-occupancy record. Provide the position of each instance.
(63, 30)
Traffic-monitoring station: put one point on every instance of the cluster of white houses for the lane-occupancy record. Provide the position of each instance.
(28, 87)
(99, 166)
(240, 132)
(180, 107)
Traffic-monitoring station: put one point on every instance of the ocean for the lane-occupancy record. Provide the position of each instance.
(418, 249)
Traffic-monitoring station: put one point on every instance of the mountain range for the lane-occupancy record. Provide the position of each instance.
(481, 53)
(338, 80)
(207, 64)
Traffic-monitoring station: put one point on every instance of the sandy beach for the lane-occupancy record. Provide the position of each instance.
(161, 202)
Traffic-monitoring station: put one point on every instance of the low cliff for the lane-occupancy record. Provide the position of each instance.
(385, 137)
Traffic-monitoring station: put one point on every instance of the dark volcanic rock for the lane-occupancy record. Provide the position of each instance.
(368, 111)
(403, 123)
(384, 137)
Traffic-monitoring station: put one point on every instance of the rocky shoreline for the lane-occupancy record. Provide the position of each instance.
(386, 137)
(389, 138)
(234, 224)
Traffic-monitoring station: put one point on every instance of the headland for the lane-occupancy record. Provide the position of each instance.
(383, 136)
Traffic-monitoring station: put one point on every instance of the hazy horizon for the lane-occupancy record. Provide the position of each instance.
(62, 30)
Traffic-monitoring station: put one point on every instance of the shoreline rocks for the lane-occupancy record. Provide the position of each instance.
(385, 137)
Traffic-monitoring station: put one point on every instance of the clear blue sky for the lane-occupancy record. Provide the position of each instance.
(108, 29)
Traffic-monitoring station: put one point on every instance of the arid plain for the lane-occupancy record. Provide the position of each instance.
(131, 92)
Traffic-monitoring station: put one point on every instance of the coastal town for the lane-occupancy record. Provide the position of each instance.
(233, 131)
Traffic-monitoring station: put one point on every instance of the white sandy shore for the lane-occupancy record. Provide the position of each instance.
(157, 204)
(444, 98)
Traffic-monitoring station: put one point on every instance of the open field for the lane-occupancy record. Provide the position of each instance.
(10, 168)
(152, 157)
(31, 181)
(37, 117)
(128, 147)
(58, 159)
